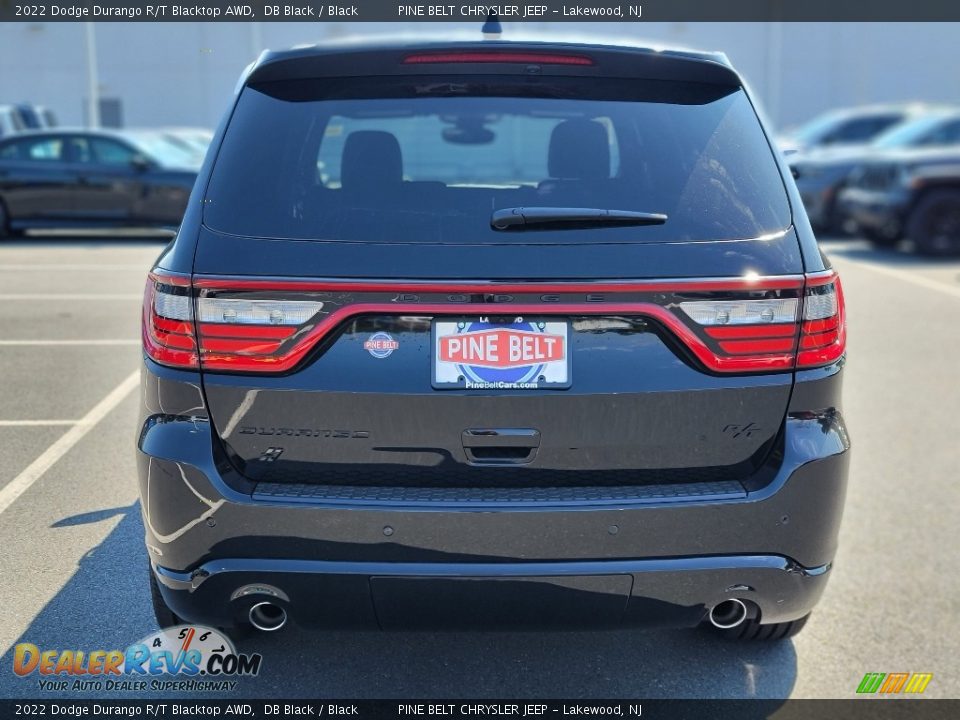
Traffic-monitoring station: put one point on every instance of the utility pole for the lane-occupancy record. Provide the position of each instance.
(93, 79)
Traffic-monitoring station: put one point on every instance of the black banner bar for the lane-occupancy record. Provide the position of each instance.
(445, 11)
(865, 708)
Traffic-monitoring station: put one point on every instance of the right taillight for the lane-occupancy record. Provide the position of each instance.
(823, 333)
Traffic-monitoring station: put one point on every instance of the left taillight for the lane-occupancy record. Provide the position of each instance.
(252, 334)
(191, 329)
(167, 328)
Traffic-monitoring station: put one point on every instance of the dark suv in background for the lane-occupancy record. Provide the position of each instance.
(492, 334)
(910, 193)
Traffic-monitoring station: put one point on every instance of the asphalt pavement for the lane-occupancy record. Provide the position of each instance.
(73, 567)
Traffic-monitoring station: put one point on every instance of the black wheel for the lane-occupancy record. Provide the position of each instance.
(934, 224)
(164, 615)
(751, 629)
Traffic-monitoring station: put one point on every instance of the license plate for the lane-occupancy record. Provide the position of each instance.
(510, 354)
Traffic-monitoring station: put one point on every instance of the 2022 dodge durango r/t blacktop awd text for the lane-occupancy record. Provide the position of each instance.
(492, 335)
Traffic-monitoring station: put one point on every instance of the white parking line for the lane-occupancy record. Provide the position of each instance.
(74, 296)
(27, 343)
(35, 470)
(36, 423)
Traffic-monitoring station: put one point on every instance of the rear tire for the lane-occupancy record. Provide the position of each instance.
(164, 615)
(750, 630)
(934, 224)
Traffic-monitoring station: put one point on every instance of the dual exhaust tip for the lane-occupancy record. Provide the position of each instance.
(728, 614)
(267, 616)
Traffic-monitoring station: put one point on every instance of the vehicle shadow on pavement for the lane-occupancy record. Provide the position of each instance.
(105, 605)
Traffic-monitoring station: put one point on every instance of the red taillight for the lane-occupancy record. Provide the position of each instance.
(167, 325)
(496, 57)
(776, 331)
(252, 333)
(823, 332)
(752, 324)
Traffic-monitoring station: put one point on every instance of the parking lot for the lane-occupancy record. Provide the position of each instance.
(73, 566)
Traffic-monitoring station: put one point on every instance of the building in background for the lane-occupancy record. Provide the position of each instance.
(184, 73)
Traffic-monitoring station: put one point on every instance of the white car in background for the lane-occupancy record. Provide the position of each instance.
(10, 120)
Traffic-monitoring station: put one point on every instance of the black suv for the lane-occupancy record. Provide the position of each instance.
(492, 335)
(909, 193)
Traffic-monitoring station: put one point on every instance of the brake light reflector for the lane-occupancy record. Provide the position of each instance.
(823, 334)
(496, 57)
(256, 312)
(741, 312)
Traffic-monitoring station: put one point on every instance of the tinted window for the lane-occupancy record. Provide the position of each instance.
(160, 148)
(110, 152)
(862, 129)
(429, 159)
(45, 149)
(946, 134)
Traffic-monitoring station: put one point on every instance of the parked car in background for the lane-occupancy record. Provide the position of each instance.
(908, 193)
(822, 173)
(32, 120)
(10, 120)
(47, 116)
(83, 178)
(196, 139)
(848, 126)
(161, 143)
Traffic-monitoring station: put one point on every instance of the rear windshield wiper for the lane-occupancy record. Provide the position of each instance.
(566, 218)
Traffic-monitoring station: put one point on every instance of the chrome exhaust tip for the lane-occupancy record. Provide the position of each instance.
(267, 617)
(728, 614)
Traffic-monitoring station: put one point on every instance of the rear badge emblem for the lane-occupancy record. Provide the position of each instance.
(380, 345)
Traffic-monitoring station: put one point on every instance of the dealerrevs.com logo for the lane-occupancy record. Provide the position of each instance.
(199, 658)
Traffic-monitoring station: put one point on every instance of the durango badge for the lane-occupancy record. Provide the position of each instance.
(380, 345)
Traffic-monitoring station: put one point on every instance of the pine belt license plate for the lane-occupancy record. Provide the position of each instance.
(492, 354)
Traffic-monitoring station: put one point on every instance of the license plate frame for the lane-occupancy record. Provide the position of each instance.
(538, 366)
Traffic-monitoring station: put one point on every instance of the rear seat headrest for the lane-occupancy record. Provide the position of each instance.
(579, 150)
(371, 159)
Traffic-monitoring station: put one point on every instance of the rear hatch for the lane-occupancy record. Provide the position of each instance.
(476, 273)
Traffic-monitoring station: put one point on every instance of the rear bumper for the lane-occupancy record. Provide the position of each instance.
(676, 592)
(653, 555)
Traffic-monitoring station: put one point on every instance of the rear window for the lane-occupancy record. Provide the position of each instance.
(430, 159)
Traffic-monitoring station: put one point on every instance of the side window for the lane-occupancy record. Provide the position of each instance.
(77, 150)
(46, 149)
(110, 152)
(862, 129)
(946, 134)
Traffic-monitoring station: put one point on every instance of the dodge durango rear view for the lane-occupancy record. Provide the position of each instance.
(492, 335)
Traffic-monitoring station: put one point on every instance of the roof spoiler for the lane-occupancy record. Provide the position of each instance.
(608, 61)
